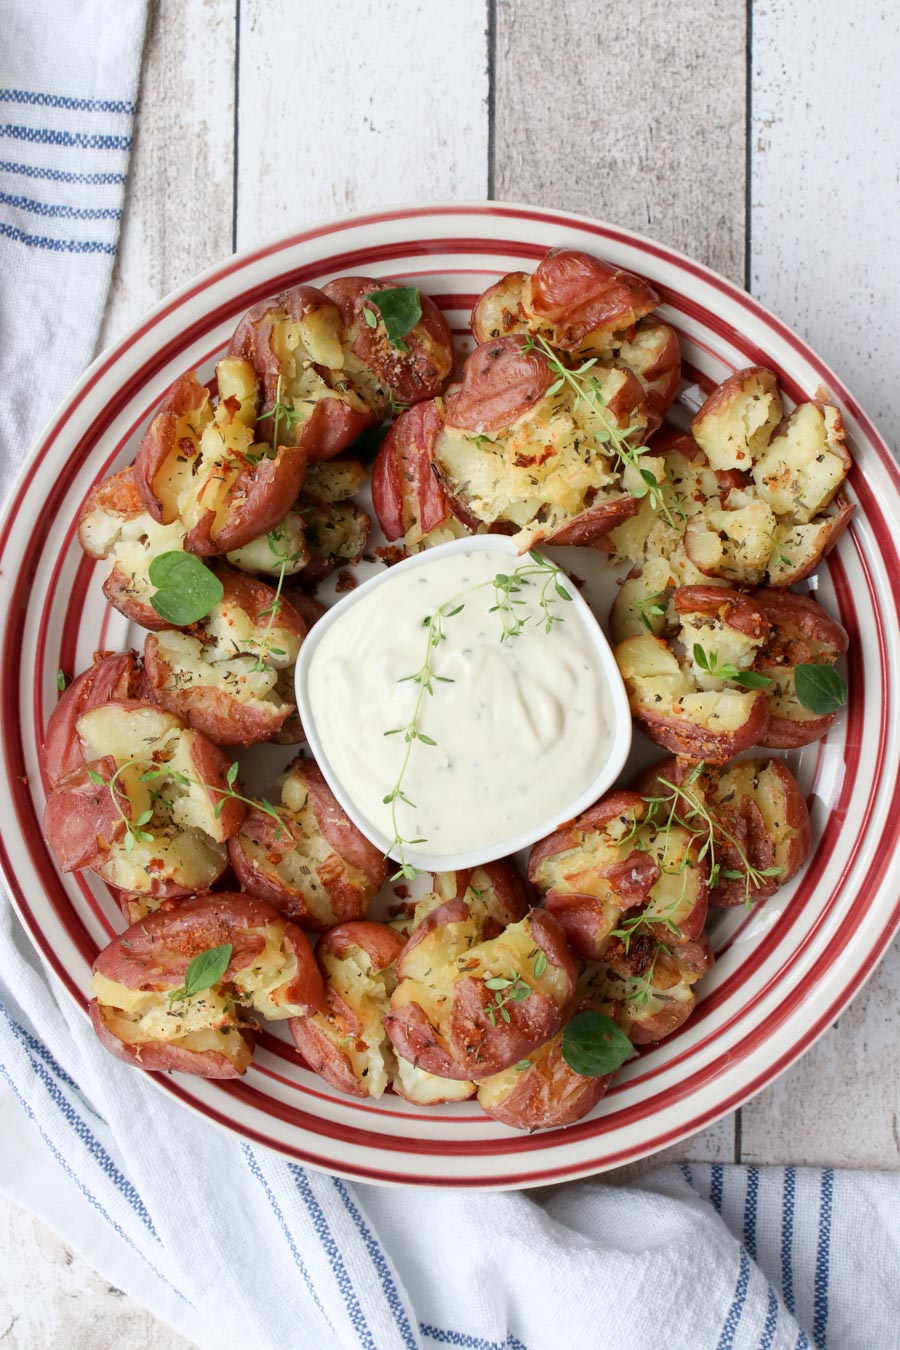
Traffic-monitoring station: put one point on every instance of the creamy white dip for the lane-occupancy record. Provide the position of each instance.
(522, 727)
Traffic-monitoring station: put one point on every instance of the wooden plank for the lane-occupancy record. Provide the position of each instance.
(825, 256)
(391, 108)
(596, 109)
(178, 211)
(825, 252)
(629, 111)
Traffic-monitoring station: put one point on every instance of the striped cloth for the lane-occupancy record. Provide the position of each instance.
(68, 84)
(229, 1243)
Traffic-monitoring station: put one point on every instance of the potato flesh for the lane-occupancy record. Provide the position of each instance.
(197, 1021)
(367, 994)
(428, 1089)
(766, 790)
(541, 473)
(236, 644)
(732, 436)
(300, 866)
(659, 684)
(802, 469)
(631, 614)
(334, 480)
(734, 544)
(129, 545)
(721, 646)
(187, 836)
(284, 547)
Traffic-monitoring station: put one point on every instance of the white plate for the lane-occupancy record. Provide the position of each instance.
(784, 972)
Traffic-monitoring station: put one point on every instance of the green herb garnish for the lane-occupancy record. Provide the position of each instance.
(820, 688)
(399, 308)
(186, 589)
(205, 970)
(593, 1045)
(748, 679)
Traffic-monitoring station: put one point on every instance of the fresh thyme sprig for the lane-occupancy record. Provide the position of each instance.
(134, 827)
(650, 605)
(647, 921)
(724, 670)
(687, 810)
(587, 389)
(285, 559)
(280, 411)
(507, 588)
(511, 990)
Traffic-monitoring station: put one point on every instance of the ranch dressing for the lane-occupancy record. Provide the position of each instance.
(521, 727)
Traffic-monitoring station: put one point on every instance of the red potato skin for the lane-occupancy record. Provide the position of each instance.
(589, 530)
(118, 495)
(695, 743)
(501, 383)
(382, 945)
(155, 953)
(113, 678)
(81, 823)
(796, 622)
(157, 1057)
(339, 830)
(334, 425)
(580, 295)
(258, 501)
(411, 376)
(214, 712)
(512, 319)
(476, 1048)
(736, 610)
(403, 472)
(550, 1094)
(186, 395)
(348, 843)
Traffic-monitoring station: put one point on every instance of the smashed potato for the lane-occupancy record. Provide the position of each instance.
(312, 862)
(232, 675)
(143, 1013)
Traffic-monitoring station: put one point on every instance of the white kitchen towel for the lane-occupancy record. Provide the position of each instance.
(68, 83)
(229, 1242)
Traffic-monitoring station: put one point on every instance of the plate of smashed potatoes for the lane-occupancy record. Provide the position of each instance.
(447, 665)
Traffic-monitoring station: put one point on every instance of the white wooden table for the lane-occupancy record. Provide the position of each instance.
(760, 136)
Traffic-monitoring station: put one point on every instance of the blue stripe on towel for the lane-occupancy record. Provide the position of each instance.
(382, 1265)
(750, 1207)
(736, 1311)
(61, 212)
(771, 1322)
(787, 1237)
(335, 1260)
(716, 1186)
(55, 245)
(85, 1190)
(60, 101)
(81, 140)
(61, 175)
(461, 1338)
(83, 1131)
(820, 1283)
(256, 1171)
